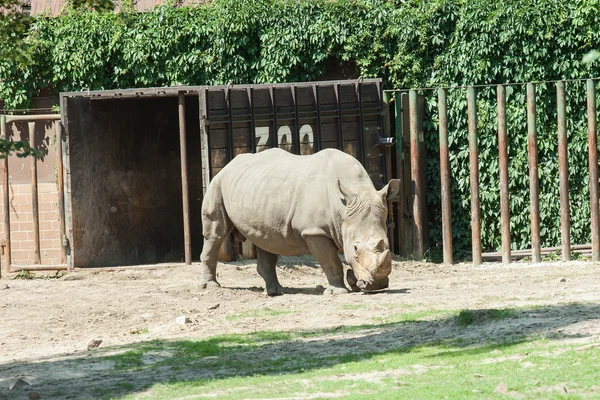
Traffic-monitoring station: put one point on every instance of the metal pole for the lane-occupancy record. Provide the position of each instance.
(340, 131)
(415, 171)
(474, 172)
(503, 156)
(593, 165)
(252, 137)
(6, 203)
(563, 171)
(533, 176)
(61, 191)
(184, 181)
(204, 142)
(317, 145)
(445, 178)
(34, 197)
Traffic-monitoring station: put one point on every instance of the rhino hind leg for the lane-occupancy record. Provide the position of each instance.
(325, 252)
(208, 263)
(216, 227)
(266, 263)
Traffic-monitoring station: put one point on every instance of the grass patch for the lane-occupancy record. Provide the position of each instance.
(399, 358)
(260, 313)
(412, 316)
(128, 360)
(468, 317)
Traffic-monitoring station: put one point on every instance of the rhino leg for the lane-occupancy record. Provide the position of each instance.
(325, 252)
(266, 263)
(208, 263)
(216, 227)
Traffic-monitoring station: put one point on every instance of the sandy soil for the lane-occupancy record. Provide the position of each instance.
(50, 318)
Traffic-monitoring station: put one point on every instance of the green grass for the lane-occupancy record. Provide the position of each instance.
(397, 358)
(468, 317)
(260, 313)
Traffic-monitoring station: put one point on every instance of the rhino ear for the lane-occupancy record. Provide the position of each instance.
(391, 191)
(346, 193)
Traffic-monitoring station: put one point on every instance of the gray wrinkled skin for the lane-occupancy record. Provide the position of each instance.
(291, 205)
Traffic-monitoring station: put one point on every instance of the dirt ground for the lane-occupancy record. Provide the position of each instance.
(49, 318)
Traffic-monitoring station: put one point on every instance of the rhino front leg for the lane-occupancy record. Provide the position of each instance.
(325, 252)
(266, 264)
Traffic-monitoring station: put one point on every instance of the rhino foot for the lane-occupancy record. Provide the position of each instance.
(209, 285)
(352, 281)
(332, 290)
(275, 290)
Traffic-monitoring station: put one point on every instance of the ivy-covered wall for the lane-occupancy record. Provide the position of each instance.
(410, 43)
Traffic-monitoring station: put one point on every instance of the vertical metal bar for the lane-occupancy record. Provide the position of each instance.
(250, 92)
(184, 181)
(204, 143)
(386, 127)
(361, 136)
(61, 191)
(593, 165)
(318, 144)
(273, 93)
(398, 120)
(296, 131)
(533, 176)
(503, 156)
(340, 132)
(229, 125)
(6, 202)
(415, 171)
(445, 178)
(34, 197)
(563, 171)
(474, 173)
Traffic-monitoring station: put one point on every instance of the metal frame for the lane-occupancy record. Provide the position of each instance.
(506, 254)
(38, 266)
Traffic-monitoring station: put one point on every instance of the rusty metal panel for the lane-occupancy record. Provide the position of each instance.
(124, 168)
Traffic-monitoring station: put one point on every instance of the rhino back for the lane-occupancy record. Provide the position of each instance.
(275, 198)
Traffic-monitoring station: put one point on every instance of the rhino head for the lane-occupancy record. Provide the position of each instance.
(364, 231)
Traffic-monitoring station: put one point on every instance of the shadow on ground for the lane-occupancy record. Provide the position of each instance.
(118, 371)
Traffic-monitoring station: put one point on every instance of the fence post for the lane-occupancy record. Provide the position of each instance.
(187, 244)
(503, 156)
(34, 197)
(563, 171)
(533, 175)
(474, 172)
(593, 165)
(445, 178)
(415, 170)
(6, 200)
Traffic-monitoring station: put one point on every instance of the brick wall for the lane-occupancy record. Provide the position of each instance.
(21, 224)
(21, 215)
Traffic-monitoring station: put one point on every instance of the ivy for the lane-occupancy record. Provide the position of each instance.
(407, 43)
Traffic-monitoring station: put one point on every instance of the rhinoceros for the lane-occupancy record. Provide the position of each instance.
(290, 205)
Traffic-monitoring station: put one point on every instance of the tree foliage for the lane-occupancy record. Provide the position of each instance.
(408, 43)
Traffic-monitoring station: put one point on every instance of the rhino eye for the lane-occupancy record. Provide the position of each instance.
(355, 248)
